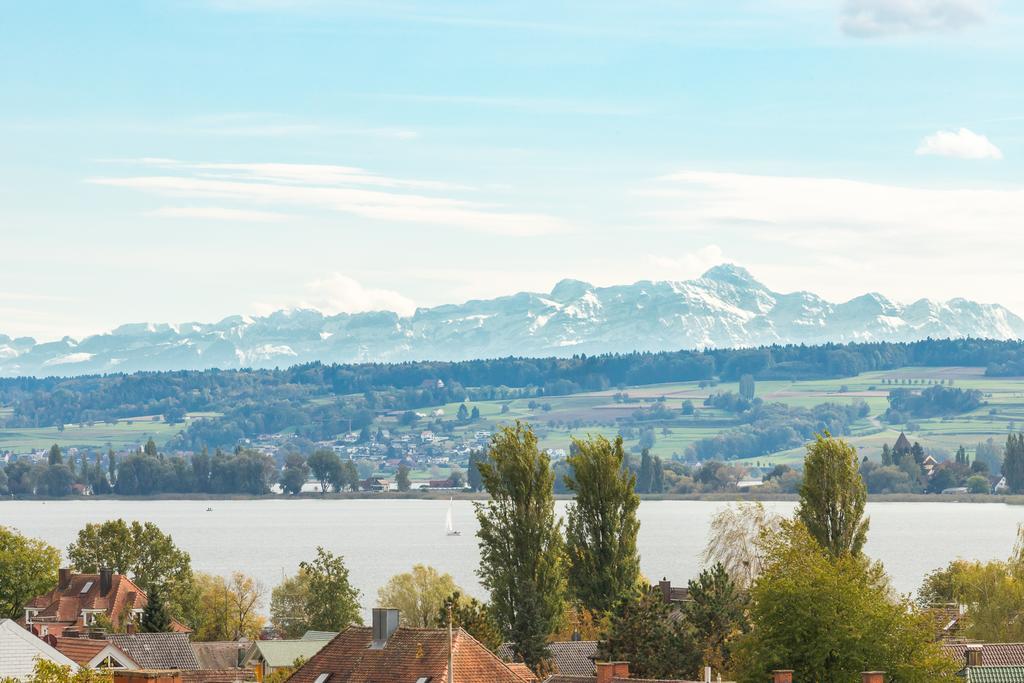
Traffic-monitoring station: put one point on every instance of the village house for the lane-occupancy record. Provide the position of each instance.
(988, 662)
(264, 657)
(19, 651)
(387, 651)
(129, 650)
(79, 599)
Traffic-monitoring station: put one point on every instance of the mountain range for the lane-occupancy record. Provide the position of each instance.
(725, 307)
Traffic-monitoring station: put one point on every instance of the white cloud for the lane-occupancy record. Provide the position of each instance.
(217, 213)
(872, 18)
(961, 144)
(687, 265)
(341, 189)
(842, 237)
(338, 293)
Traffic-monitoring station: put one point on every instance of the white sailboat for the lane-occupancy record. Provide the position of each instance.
(449, 527)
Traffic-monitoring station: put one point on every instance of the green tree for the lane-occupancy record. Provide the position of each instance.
(472, 471)
(823, 616)
(288, 603)
(1013, 462)
(747, 387)
(28, 567)
(522, 560)
(463, 415)
(643, 631)
(402, 478)
(645, 477)
(155, 617)
(472, 616)
(334, 602)
(150, 448)
(347, 476)
(144, 553)
(227, 609)
(978, 484)
(602, 525)
(833, 495)
(419, 594)
(993, 593)
(326, 467)
(56, 457)
(717, 611)
(294, 474)
(56, 481)
(46, 671)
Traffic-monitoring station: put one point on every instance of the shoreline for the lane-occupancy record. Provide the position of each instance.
(1006, 499)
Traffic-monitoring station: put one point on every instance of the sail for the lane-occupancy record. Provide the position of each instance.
(449, 527)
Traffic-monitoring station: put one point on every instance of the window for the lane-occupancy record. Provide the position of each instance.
(110, 663)
(322, 678)
(86, 587)
(423, 679)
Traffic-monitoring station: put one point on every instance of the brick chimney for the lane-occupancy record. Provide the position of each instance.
(106, 580)
(665, 586)
(607, 671)
(64, 578)
(872, 677)
(782, 676)
(972, 655)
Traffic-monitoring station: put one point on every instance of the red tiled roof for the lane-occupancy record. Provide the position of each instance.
(63, 607)
(409, 654)
(81, 650)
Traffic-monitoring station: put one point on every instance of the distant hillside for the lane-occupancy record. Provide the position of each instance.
(726, 307)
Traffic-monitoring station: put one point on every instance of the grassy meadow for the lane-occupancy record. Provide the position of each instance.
(558, 418)
(597, 412)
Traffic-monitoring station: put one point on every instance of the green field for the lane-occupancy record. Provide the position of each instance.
(558, 418)
(124, 434)
(598, 412)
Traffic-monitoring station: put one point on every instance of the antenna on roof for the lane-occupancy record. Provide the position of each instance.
(451, 668)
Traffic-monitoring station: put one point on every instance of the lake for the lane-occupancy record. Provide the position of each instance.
(378, 538)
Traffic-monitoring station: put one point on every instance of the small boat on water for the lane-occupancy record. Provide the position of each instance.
(209, 509)
(450, 529)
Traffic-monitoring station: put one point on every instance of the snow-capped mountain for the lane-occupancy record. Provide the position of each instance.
(724, 307)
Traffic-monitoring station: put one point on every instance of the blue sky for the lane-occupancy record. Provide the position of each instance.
(178, 160)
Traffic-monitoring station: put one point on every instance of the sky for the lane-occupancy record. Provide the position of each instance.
(187, 160)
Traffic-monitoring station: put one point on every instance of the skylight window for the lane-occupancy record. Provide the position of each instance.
(87, 586)
(423, 679)
(322, 678)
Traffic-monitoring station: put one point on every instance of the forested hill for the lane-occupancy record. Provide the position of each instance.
(318, 400)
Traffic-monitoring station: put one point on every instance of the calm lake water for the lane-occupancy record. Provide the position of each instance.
(378, 538)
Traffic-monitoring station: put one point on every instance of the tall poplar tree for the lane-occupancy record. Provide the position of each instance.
(522, 560)
(602, 525)
(832, 496)
(1013, 462)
